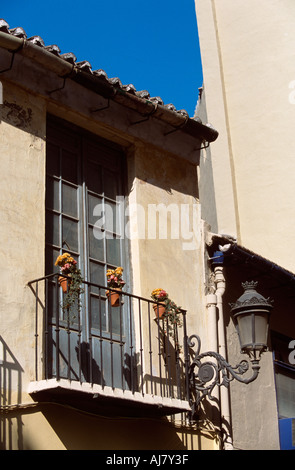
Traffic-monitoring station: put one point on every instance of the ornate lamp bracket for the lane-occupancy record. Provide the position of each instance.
(204, 376)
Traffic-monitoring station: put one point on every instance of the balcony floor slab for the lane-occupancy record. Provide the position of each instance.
(104, 400)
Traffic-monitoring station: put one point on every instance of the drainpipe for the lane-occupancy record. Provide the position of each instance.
(218, 259)
(211, 303)
(212, 321)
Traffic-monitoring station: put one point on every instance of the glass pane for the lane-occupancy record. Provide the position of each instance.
(96, 244)
(52, 228)
(52, 159)
(94, 177)
(261, 329)
(52, 194)
(110, 184)
(69, 166)
(98, 313)
(70, 234)
(97, 276)
(95, 210)
(51, 255)
(116, 321)
(245, 329)
(113, 251)
(70, 200)
(110, 213)
(285, 385)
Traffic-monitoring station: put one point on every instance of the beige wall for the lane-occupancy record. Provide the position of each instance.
(167, 263)
(248, 62)
(22, 172)
(54, 427)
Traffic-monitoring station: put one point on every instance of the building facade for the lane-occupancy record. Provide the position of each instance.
(95, 169)
(116, 178)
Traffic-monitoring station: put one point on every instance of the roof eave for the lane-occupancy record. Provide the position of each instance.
(247, 257)
(102, 86)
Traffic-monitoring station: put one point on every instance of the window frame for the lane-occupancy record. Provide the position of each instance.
(113, 331)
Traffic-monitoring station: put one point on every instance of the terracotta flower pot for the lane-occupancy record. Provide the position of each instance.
(63, 282)
(159, 310)
(114, 297)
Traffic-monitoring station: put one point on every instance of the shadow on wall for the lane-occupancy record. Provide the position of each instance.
(206, 177)
(10, 379)
(81, 431)
(163, 171)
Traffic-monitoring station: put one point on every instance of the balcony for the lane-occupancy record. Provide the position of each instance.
(103, 359)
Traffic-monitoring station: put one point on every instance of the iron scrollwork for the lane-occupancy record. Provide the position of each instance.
(204, 376)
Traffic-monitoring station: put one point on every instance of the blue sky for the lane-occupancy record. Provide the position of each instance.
(152, 44)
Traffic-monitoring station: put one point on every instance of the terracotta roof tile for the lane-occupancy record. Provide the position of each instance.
(37, 40)
(208, 132)
(84, 65)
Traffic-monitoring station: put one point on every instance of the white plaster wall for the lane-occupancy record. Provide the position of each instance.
(217, 159)
(249, 83)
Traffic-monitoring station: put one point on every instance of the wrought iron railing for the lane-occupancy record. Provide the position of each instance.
(125, 347)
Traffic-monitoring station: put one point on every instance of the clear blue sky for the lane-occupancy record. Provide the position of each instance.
(152, 44)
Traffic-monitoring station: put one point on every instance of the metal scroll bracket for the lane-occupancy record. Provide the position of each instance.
(204, 375)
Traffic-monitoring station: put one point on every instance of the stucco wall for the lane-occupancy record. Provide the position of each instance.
(169, 259)
(248, 55)
(54, 427)
(22, 171)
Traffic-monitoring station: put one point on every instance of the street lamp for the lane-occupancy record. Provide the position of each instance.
(251, 317)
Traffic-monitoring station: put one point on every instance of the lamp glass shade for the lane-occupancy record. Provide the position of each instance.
(253, 331)
(251, 315)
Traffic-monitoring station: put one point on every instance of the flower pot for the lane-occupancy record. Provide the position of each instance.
(159, 310)
(63, 282)
(114, 297)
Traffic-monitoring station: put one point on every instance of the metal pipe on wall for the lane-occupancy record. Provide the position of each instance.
(224, 392)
